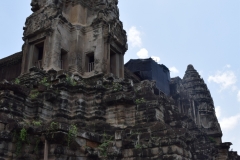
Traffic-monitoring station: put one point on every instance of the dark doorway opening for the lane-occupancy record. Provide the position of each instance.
(64, 60)
(113, 62)
(90, 62)
(38, 54)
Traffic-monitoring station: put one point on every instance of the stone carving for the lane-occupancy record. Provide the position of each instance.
(80, 104)
(113, 7)
(37, 22)
(197, 91)
(35, 5)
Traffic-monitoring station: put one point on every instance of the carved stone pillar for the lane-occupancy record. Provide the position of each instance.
(46, 150)
(121, 66)
(25, 59)
(55, 51)
(194, 112)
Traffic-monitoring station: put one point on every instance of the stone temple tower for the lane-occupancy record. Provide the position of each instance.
(84, 37)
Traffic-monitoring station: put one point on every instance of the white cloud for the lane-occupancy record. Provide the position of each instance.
(174, 70)
(226, 79)
(218, 111)
(228, 66)
(134, 37)
(238, 96)
(143, 53)
(230, 122)
(156, 59)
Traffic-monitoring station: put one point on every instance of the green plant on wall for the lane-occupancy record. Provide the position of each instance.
(23, 134)
(17, 81)
(70, 81)
(140, 101)
(72, 133)
(21, 138)
(53, 125)
(45, 82)
(117, 86)
(33, 94)
(37, 123)
(138, 146)
(107, 140)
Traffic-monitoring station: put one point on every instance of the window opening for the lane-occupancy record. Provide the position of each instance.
(112, 62)
(39, 49)
(90, 62)
(64, 60)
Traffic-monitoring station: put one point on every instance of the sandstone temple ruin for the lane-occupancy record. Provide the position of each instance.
(68, 96)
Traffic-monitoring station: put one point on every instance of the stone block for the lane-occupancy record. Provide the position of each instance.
(118, 143)
(92, 144)
(146, 152)
(2, 126)
(127, 153)
(118, 135)
(155, 151)
(81, 141)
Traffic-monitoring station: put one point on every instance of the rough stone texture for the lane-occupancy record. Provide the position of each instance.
(55, 113)
(84, 37)
(194, 99)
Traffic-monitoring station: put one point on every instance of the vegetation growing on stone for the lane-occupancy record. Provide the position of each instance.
(16, 81)
(140, 101)
(117, 86)
(138, 146)
(37, 123)
(96, 42)
(33, 94)
(45, 82)
(21, 138)
(72, 133)
(107, 140)
(70, 81)
(23, 135)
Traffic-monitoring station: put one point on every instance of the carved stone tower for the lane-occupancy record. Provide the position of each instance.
(84, 37)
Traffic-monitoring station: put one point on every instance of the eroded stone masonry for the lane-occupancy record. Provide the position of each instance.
(68, 96)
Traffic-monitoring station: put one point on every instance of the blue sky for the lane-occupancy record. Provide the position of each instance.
(177, 33)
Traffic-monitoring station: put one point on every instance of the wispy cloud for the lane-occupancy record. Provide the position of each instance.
(238, 96)
(229, 123)
(143, 53)
(156, 59)
(226, 79)
(228, 66)
(134, 37)
(173, 70)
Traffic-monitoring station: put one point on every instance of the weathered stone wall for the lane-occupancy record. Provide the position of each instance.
(80, 28)
(56, 115)
(193, 98)
(53, 113)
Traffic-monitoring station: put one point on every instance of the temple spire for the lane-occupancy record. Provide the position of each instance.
(83, 37)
